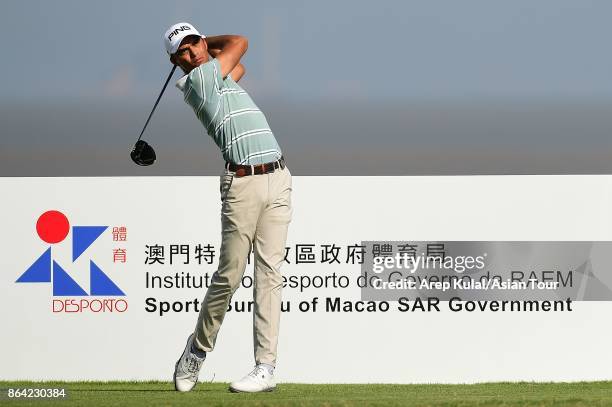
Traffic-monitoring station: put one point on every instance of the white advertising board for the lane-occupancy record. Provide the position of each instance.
(126, 337)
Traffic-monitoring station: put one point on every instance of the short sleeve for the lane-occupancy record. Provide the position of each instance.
(205, 79)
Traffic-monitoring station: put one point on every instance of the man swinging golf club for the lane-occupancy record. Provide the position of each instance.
(256, 200)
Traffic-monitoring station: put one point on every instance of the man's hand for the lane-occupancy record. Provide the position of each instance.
(237, 72)
(229, 49)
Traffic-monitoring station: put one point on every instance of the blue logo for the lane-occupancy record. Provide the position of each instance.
(53, 227)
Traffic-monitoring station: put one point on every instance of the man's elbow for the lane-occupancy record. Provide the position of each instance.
(239, 44)
(245, 43)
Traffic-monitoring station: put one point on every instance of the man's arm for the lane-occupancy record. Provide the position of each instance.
(230, 49)
(237, 72)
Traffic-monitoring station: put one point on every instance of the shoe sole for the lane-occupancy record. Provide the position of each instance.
(232, 390)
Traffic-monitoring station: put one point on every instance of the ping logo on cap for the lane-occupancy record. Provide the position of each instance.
(176, 31)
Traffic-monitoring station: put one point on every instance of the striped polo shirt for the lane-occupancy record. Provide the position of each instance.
(229, 115)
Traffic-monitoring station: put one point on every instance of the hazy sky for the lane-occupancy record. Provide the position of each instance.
(362, 88)
(311, 50)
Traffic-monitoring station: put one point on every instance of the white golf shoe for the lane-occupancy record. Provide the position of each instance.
(187, 368)
(260, 379)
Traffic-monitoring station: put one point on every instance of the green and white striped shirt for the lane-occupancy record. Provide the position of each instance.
(229, 116)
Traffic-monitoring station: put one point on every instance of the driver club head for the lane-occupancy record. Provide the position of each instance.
(142, 153)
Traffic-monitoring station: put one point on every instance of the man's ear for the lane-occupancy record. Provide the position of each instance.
(173, 59)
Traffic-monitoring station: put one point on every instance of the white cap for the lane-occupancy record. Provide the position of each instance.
(175, 34)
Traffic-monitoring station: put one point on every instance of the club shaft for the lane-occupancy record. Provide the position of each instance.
(157, 101)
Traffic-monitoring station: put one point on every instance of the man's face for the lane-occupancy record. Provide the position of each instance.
(192, 53)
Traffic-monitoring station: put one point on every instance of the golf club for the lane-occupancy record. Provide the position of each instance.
(142, 153)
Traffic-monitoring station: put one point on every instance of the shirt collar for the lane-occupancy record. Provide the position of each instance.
(181, 83)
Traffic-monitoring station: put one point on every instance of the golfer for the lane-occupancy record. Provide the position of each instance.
(256, 200)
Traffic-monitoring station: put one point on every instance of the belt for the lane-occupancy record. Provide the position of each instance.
(257, 169)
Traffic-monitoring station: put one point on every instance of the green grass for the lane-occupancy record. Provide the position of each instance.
(287, 394)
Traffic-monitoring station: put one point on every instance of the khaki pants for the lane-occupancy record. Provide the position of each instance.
(256, 210)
